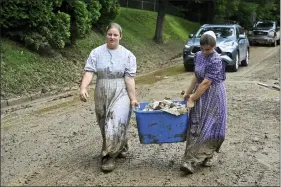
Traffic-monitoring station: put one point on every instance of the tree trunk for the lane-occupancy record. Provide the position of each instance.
(158, 37)
(211, 11)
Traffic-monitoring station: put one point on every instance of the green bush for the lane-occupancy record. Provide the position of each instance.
(94, 8)
(48, 23)
(30, 21)
(81, 19)
(110, 9)
(60, 30)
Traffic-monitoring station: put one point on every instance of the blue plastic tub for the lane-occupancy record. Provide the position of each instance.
(155, 127)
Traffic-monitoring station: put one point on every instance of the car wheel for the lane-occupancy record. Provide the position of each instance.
(188, 67)
(278, 42)
(245, 62)
(235, 66)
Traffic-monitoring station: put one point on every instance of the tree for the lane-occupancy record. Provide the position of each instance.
(211, 11)
(162, 8)
(158, 37)
(242, 10)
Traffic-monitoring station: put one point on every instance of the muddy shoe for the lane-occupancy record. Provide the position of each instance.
(124, 152)
(209, 162)
(187, 167)
(108, 164)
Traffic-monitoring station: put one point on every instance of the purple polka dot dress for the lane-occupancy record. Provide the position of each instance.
(207, 119)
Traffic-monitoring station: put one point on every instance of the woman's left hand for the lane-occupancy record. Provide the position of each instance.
(134, 103)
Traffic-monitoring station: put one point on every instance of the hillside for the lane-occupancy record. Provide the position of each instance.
(24, 72)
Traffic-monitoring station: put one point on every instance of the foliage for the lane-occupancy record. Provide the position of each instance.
(109, 10)
(48, 23)
(94, 8)
(82, 17)
(242, 11)
(270, 10)
(24, 72)
(34, 22)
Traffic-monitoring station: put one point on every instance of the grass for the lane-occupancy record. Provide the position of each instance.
(139, 28)
(24, 72)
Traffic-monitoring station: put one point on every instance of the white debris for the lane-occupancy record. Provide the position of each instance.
(168, 106)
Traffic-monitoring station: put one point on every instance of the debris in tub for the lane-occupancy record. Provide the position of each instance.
(168, 106)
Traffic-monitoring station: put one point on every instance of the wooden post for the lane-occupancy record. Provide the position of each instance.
(154, 5)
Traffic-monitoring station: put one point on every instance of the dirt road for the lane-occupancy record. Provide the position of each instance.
(58, 142)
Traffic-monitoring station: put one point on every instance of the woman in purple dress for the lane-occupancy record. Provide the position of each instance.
(208, 115)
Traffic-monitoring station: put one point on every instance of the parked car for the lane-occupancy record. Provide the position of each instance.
(232, 45)
(265, 32)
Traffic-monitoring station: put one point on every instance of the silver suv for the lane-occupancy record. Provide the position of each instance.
(232, 45)
(265, 32)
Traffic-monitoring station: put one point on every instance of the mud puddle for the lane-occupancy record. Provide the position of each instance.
(159, 75)
(66, 104)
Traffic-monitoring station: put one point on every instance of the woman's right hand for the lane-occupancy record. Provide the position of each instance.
(84, 95)
(134, 103)
(190, 102)
(186, 96)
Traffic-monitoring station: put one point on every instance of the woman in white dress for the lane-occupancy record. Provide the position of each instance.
(115, 67)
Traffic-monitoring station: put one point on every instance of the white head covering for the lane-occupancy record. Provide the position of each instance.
(211, 33)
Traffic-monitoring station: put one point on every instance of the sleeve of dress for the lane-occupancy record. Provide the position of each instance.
(131, 66)
(214, 70)
(91, 63)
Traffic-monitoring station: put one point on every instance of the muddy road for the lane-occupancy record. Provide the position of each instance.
(58, 142)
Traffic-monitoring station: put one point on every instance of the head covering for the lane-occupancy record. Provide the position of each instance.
(211, 33)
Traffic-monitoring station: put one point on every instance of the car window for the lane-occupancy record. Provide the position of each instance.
(267, 24)
(223, 32)
(241, 30)
(237, 33)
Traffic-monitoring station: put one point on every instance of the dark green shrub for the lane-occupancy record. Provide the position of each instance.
(109, 10)
(48, 23)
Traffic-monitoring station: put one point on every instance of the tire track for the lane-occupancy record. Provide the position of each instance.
(258, 61)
